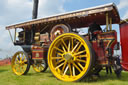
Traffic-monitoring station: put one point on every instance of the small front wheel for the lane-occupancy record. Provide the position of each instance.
(20, 63)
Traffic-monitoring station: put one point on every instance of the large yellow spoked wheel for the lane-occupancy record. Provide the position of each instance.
(40, 66)
(20, 63)
(70, 57)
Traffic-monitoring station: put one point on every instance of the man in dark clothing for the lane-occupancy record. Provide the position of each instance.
(92, 28)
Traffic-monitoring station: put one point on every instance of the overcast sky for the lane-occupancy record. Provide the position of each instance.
(15, 11)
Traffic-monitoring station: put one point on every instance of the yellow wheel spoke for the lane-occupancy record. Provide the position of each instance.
(24, 58)
(78, 48)
(66, 70)
(19, 69)
(57, 57)
(73, 70)
(60, 54)
(69, 65)
(59, 61)
(81, 60)
(17, 59)
(35, 66)
(64, 43)
(64, 66)
(21, 57)
(39, 68)
(63, 49)
(59, 49)
(16, 62)
(81, 56)
(75, 47)
(42, 66)
(22, 69)
(76, 67)
(69, 46)
(59, 65)
(80, 52)
(16, 67)
(72, 43)
(81, 66)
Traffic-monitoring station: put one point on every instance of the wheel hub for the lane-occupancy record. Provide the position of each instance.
(21, 63)
(68, 56)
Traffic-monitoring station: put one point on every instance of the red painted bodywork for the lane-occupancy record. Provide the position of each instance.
(38, 52)
(124, 45)
(103, 41)
(100, 45)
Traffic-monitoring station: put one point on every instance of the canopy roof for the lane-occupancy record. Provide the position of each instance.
(77, 19)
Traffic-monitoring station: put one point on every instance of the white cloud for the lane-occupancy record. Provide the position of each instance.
(50, 7)
(123, 5)
(11, 11)
(15, 11)
(125, 15)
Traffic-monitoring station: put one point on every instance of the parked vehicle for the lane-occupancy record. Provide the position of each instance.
(55, 43)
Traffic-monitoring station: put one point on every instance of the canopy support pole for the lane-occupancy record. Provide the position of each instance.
(10, 35)
(110, 25)
(24, 35)
(107, 22)
(15, 36)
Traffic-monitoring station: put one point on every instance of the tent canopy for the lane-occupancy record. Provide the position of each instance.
(76, 19)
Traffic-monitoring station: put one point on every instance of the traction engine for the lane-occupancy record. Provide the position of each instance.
(54, 42)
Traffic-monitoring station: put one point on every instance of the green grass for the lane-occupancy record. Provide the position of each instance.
(32, 78)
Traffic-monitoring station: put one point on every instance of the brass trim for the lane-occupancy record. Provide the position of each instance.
(107, 23)
(110, 23)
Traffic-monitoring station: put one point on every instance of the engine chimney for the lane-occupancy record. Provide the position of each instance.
(35, 9)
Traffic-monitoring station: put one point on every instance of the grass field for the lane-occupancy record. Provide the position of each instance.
(46, 78)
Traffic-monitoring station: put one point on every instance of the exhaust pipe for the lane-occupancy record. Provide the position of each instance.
(35, 9)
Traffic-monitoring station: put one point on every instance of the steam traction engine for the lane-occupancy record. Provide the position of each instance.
(55, 42)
